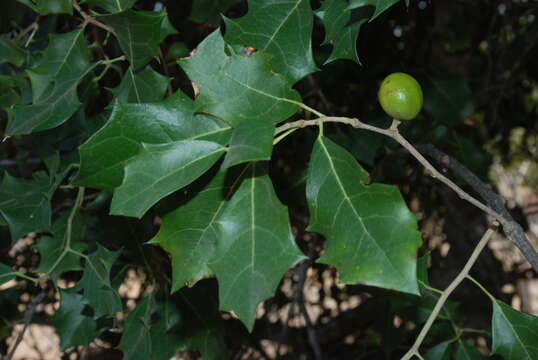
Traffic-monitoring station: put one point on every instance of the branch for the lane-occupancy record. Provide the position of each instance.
(27, 319)
(89, 19)
(496, 207)
(511, 228)
(414, 351)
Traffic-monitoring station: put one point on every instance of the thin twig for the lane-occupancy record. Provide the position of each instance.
(414, 351)
(91, 20)
(29, 314)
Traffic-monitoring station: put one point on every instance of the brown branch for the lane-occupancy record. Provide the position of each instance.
(89, 19)
(511, 228)
(27, 319)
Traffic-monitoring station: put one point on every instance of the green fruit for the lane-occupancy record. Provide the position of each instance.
(400, 95)
(177, 50)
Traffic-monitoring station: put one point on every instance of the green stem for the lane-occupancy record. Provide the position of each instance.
(481, 287)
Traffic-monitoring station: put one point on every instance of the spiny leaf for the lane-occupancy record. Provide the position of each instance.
(73, 327)
(371, 235)
(340, 31)
(95, 283)
(25, 204)
(54, 83)
(10, 52)
(55, 257)
(285, 32)
(238, 88)
(189, 233)
(515, 334)
(135, 341)
(255, 248)
(106, 153)
(138, 32)
(160, 169)
(380, 5)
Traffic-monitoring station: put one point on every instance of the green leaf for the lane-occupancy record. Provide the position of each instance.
(251, 141)
(339, 31)
(8, 91)
(50, 112)
(55, 257)
(380, 5)
(66, 55)
(143, 87)
(466, 351)
(189, 233)
(45, 7)
(255, 248)
(238, 88)
(209, 11)
(190, 320)
(285, 33)
(64, 64)
(25, 204)
(6, 273)
(105, 154)
(138, 32)
(73, 327)
(112, 6)
(160, 169)
(371, 235)
(135, 341)
(448, 99)
(515, 334)
(439, 352)
(95, 283)
(10, 52)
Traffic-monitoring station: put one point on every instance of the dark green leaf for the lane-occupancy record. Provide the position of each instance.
(209, 11)
(66, 55)
(371, 235)
(54, 83)
(467, 352)
(160, 169)
(10, 52)
(54, 250)
(138, 32)
(45, 7)
(339, 31)
(189, 233)
(73, 327)
(515, 334)
(95, 283)
(25, 204)
(238, 88)
(143, 87)
(285, 33)
(105, 154)
(112, 6)
(380, 5)
(255, 248)
(190, 320)
(6, 273)
(135, 341)
(251, 141)
(439, 352)
(448, 99)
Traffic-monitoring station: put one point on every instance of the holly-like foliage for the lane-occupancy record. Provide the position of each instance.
(195, 174)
